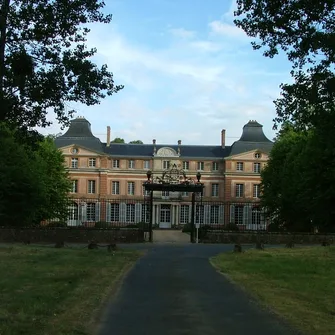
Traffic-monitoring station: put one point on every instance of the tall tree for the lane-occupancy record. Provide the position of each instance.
(118, 140)
(44, 61)
(136, 142)
(305, 31)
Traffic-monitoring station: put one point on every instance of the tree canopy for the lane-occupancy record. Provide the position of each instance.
(305, 31)
(118, 140)
(34, 183)
(299, 181)
(44, 62)
(136, 142)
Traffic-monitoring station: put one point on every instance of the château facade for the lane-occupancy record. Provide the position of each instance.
(107, 178)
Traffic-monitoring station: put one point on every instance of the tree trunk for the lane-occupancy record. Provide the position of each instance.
(3, 30)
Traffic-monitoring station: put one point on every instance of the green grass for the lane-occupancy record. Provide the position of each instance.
(298, 284)
(51, 291)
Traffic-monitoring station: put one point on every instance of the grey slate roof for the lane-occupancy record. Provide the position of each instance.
(80, 133)
(252, 138)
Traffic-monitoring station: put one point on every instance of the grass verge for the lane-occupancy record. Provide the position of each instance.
(52, 291)
(298, 284)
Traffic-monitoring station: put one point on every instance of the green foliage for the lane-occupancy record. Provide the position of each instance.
(33, 181)
(186, 228)
(44, 61)
(136, 142)
(102, 224)
(304, 30)
(118, 140)
(231, 227)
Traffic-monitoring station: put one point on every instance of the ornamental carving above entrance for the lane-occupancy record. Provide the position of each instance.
(166, 152)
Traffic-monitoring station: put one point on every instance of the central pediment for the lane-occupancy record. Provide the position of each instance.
(166, 152)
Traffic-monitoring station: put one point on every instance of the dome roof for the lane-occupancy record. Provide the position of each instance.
(79, 133)
(252, 138)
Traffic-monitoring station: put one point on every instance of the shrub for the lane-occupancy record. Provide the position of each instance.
(231, 227)
(187, 228)
(57, 224)
(102, 224)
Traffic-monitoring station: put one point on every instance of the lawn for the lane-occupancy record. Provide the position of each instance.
(51, 291)
(298, 283)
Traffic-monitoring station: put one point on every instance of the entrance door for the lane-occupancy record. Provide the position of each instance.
(165, 216)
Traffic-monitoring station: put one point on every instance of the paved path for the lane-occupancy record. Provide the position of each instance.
(174, 290)
(170, 236)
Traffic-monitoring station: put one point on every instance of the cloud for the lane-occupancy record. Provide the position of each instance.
(227, 30)
(182, 33)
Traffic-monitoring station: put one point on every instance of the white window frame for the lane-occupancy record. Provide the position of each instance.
(74, 163)
(185, 194)
(116, 163)
(239, 190)
(131, 164)
(165, 194)
(166, 165)
(256, 190)
(131, 188)
(115, 187)
(239, 166)
(186, 165)
(215, 190)
(91, 186)
(130, 213)
(215, 166)
(74, 186)
(184, 214)
(214, 214)
(92, 162)
(257, 167)
(200, 166)
(146, 165)
(91, 211)
(115, 212)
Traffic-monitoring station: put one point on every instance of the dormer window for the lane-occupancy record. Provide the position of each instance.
(258, 155)
(74, 150)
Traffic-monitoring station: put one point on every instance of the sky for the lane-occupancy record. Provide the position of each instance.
(188, 72)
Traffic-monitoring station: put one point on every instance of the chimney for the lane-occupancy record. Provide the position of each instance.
(108, 136)
(154, 143)
(179, 144)
(223, 138)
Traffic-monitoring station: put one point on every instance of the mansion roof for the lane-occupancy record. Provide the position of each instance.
(79, 133)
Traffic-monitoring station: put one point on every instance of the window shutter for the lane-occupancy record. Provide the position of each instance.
(232, 214)
(221, 214)
(123, 209)
(83, 213)
(97, 211)
(138, 217)
(108, 212)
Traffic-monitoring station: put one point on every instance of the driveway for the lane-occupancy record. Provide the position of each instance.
(174, 290)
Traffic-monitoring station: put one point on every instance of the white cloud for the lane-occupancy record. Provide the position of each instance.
(227, 30)
(182, 33)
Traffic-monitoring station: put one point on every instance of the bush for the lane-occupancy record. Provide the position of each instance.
(57, 224)
(231, 227)
(102, 224)
(186, 228)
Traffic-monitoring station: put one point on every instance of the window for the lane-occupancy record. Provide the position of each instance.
(199, 214)
(144, 191)
(116, 163)
(258, 155)
(256, 216)
(130, 213)
(214, 214)
(90, 211)
(131, 188)
(184, 213)
(115, 212)
(91, 186)
(238, 214)
(166, 165)
(215, 166)
(239, 190)
(165, 194)
(256, 190)
(186, 165)
(215, 190)
(131, 164)
(257, 167)
(74, 186)
(74, 150)
(92, 162)
(239, 166)
(145, 217)
(146, 164)
(74, 163)
(201, 166)
(184, 194)
(115, 187)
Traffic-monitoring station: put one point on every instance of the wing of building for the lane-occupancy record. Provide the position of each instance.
(108, 177)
